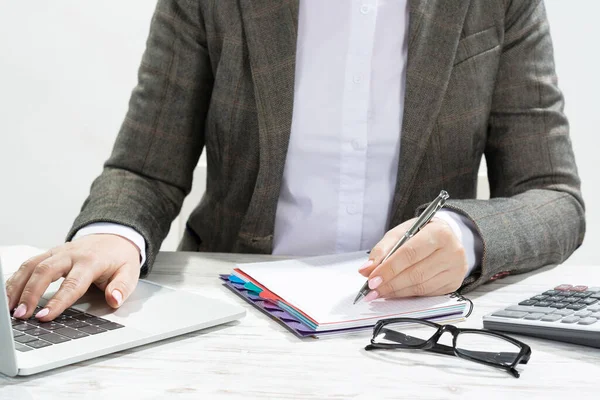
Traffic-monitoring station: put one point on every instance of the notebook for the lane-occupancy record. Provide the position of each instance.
(314, 295)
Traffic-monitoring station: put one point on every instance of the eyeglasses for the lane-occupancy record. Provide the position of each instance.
(478, 345)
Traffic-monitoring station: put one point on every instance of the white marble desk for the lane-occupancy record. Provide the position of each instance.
(257, 358)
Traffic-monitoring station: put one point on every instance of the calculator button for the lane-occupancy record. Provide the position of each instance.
(564, 312)
(530, 309)
(582, 294)
(595, 295)
(595, 315)
(509, 314)
(534, 316)
(571, 319)
(576, 306)
(594, 289)
(579, 288)
(551, 292)
(594, 308)
(563, 287)
(551, 317)
(583, 313)
(539, 297)
(553, 299)
(588, 301)
(588, 321)
(559, 305)
(570, 299)
(563, 294)
(527, 302)
(542, 304)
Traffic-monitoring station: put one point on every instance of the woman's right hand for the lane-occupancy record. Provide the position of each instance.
(109, 261)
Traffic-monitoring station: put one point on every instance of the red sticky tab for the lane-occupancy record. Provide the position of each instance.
(563, 287)
(579, 288)
(265, 294)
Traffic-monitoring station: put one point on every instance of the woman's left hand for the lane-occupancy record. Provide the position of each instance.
(433, 262)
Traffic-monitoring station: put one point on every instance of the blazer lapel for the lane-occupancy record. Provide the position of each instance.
(271, 30)
(434, 31)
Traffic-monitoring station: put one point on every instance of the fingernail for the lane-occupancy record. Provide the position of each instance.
(117, 296)
(366, 265)
(20, 311)
(43, 312)
(371, 296)
(375, 282)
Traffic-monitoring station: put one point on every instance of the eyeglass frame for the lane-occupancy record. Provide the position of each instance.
(432, 343)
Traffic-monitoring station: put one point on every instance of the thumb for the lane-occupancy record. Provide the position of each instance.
(121, 285)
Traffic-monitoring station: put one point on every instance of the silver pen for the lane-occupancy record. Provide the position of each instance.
(424, 218)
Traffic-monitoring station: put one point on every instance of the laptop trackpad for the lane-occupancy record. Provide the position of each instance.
(148, 304)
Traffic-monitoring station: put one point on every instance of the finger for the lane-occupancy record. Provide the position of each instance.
(428, 288)
(416, 274)
(416, 249)
(16, 283)
(76, 283)
(122, 284)
(383, 247)
(46, 272)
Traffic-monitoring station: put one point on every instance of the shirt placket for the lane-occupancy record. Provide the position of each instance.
(354, 130)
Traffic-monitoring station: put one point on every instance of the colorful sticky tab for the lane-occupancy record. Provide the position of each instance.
(235, 279)
(252, 287)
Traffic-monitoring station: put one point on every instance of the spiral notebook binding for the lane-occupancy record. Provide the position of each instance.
(456, 295)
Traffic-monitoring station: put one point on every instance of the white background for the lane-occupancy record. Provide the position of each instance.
(67, 68)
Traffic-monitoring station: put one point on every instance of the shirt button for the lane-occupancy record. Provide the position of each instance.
(364, 9)
(352, 209)
(357, 79)
(357, 145)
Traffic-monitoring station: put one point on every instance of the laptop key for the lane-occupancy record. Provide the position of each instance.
(24, 327)
(71, 333)
(54, 338)
(76, 324)
(92, 330)
(22, 348)
(70, 312)
(37, 332)
(14, 321)
(111, 326)
(38, 344)
(50, 326)
(17, 333)
(25, 339)
(97, 321)
(61, 319)
(83, 317)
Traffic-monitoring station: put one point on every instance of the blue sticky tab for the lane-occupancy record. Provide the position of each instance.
(252, 287)
(235, 279)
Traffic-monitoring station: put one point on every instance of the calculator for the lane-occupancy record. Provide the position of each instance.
(566, 313)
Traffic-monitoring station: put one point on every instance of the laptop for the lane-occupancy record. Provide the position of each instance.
(90, 328)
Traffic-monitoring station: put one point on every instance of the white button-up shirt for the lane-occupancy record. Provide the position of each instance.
(342, 161)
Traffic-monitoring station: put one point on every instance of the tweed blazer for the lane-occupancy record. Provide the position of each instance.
(218, 76)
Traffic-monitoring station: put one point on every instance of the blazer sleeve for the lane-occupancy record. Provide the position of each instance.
(149, 173)
(535, 215)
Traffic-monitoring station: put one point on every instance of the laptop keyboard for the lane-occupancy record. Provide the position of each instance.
(70, 325)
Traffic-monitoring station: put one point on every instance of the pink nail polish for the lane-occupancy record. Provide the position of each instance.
(117, 296)
(375, 282)
(43, 312)
(366, 265)
(20, 311)
(371, 296)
